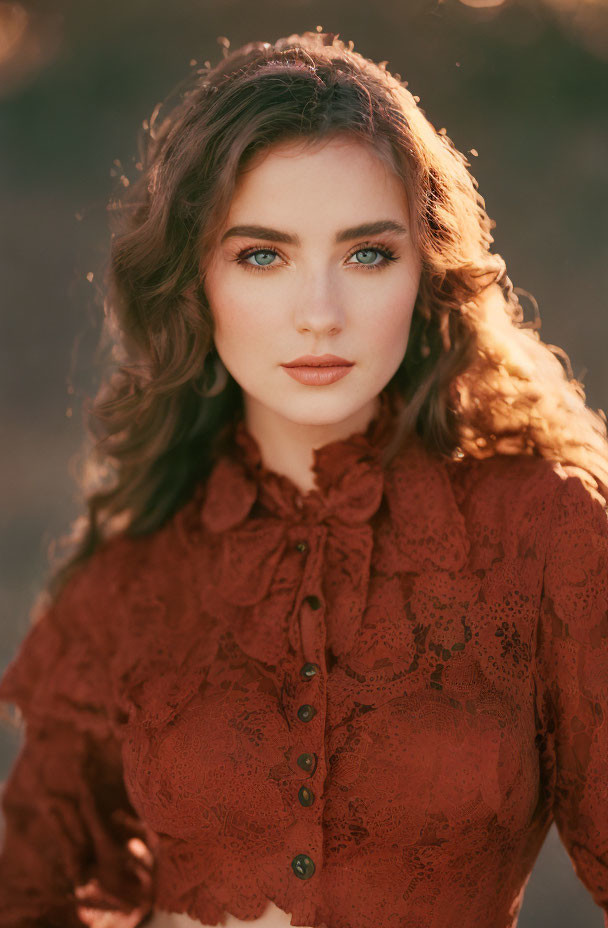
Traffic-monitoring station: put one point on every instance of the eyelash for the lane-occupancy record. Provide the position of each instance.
(387, 254)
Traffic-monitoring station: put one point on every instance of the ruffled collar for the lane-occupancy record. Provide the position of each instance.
(255, 513)
(348, 475)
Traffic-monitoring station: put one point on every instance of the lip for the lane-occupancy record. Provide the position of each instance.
(322, 360)
(318, 376)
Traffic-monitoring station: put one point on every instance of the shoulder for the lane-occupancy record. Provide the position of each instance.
(95, 597)
(574, 613)
(577, 536)
(528, 478)
(59, 669)
(501, 476)
(525, 498)
(108, 623)
(128, 561)
(105, 575)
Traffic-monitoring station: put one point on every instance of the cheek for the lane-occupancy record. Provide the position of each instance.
(386, 319)
(240, 316)
(392, 335)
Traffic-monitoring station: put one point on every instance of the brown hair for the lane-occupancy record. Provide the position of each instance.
(476, 379)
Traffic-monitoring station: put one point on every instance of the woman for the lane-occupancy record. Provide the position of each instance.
(331, 649)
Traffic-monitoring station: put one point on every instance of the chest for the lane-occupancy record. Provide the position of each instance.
(424, 729)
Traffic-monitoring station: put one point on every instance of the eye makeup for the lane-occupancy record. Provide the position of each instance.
(388, 255)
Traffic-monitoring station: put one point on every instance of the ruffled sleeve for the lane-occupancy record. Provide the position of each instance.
(572, 670)
(74, 851)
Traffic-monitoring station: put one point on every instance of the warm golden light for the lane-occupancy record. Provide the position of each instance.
(587, 20)
(13, 24)
(29, 40)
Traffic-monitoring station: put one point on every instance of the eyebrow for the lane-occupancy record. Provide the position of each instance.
(345, 235)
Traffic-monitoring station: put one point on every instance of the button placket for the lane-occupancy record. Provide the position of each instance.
(309, 669)
(305, 713)
(302, 864)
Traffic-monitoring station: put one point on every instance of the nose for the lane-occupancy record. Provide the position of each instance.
(318, 308)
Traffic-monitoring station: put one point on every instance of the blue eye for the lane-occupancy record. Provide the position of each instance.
(271, 253)
(369, 251)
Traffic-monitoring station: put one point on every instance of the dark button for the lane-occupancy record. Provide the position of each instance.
(302, 546)
(306, 796)
(307, 762)
(303, 866)
(306, 712)
(308, 670)
(314, 602)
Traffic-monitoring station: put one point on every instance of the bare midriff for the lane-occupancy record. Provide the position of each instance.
(273, 917)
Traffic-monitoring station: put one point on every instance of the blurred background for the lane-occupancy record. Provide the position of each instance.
(521, 87)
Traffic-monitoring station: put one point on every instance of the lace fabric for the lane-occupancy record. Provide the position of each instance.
(181, 753)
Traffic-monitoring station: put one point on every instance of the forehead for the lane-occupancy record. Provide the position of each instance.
(336, 175)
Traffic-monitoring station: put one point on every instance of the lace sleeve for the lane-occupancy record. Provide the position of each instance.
(572, 666)
(73, 847)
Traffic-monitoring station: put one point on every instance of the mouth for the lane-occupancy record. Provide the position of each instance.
(327, 360)
(317, 374)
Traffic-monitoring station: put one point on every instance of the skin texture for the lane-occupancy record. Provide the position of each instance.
(313, 298)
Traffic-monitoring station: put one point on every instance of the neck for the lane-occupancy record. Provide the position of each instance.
(286, 446)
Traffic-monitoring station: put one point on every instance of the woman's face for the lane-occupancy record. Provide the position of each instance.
(307, 282)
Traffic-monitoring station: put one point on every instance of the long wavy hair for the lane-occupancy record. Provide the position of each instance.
(475, 379)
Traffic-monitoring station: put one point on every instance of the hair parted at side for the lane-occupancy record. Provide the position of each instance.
(476, 380)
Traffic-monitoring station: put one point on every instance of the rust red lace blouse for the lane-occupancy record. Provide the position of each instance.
(366, 703)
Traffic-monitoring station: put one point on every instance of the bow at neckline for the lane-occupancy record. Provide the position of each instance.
(255, 515)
